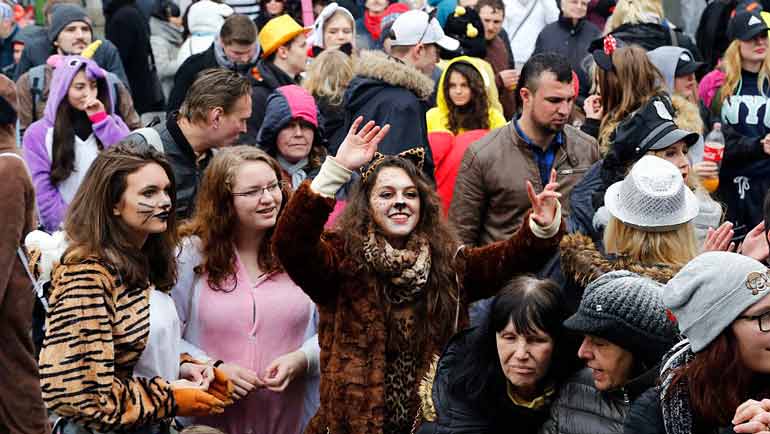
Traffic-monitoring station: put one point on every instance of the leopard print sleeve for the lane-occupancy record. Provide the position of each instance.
(96, 330)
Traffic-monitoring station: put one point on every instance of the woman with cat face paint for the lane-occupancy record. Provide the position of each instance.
(390, 281)
(111, 319)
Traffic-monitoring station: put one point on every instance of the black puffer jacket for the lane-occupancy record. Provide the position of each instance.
(582, 409)
(651, 36)
(446, 413)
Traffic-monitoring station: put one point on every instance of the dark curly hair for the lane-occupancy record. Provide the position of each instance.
(475, 114)
(441, 289)
(215, 218)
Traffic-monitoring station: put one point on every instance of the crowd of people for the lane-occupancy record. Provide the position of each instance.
(386, 217)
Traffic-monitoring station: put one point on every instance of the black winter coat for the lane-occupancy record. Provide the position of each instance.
(457, 415)
(571, 41)
(186, 74)
(646, 417)
(651, 36)
(743, 180)
(272, 77)
(333, 118)
(388, 91)
(582, 409)
(128, 30)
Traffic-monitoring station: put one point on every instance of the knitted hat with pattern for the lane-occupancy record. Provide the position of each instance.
(627, 310)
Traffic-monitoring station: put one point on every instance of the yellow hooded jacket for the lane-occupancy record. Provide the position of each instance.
(438, 117)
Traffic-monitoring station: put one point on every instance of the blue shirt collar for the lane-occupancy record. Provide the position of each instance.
(558, 140)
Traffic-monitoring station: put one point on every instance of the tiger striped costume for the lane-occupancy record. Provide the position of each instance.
(96, 330)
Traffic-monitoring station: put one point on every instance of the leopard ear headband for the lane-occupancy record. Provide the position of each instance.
(414, 155)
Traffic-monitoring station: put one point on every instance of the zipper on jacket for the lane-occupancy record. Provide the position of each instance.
(573, 171)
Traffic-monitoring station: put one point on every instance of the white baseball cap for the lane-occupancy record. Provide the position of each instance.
(413, 27)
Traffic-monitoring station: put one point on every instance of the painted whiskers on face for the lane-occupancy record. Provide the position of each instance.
(148, 210)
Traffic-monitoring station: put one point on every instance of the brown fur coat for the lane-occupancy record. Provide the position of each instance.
(352, 330)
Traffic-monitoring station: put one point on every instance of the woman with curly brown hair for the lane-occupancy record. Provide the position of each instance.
(236, 303)
(466, 108)
(390, 280)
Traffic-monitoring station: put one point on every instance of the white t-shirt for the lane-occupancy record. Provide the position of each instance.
(544, 12)
(86, 152)
(160, 357)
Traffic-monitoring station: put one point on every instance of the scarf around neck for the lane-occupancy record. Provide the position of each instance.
(296, 170)
(405, 271)
(224, 62)
(372, 24)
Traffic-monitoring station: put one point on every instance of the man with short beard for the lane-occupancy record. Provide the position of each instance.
(489, 201)
(70, 32)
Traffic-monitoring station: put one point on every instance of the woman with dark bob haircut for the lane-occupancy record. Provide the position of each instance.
(504, 372)
(390, 281)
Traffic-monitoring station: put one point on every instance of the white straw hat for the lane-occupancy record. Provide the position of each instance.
(653, 197)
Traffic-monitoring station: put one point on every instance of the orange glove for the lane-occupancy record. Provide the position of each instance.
(221, 387)
(196, 402)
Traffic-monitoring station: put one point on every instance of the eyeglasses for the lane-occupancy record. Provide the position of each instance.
(762, 320)
(258, 192)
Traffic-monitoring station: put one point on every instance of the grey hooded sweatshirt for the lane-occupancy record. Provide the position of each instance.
(665, 59)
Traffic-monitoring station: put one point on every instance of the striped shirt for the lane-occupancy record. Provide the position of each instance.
(244, 7)
(96, 330)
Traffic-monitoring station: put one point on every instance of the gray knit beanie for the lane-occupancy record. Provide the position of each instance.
(627, 310)
(62, 15)
(711, 291)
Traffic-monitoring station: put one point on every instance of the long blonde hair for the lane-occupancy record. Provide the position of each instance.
(329, 75)
(733, 66)
(674, 248)
(634, 12)
(631, 83)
